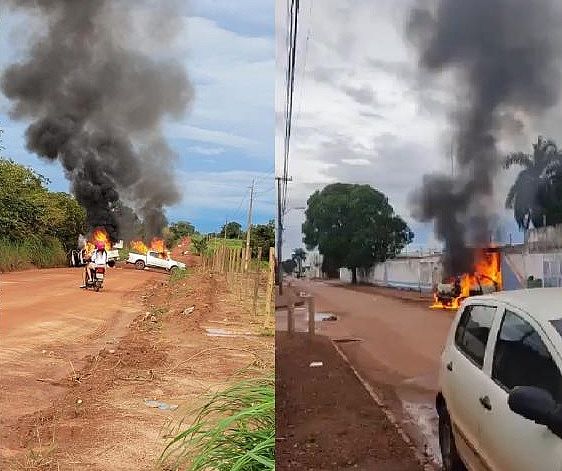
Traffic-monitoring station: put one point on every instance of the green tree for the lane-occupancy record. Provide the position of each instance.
(534, 194)
(68, 219)
(177, 231)
(262, 235)
(233, 230)
(24, 202)
(353, 226)
(289, 266)
(299, 256)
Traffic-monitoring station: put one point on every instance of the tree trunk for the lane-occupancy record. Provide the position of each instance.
(354, 275)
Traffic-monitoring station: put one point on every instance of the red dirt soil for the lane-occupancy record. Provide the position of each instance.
(325, 418)
(76, 367)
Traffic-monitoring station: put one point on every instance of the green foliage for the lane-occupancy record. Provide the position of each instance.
(234, 431)
(178, 274)
(36, 226)
(262, 235)
(230, 243)
(177, 231)
(289, 266)
(45, 253)
(200, 244)
(536, 194)
(233, 230)
(354, 226)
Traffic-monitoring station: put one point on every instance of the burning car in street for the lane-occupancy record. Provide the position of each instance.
(484, 279)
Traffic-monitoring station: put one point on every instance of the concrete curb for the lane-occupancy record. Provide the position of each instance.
(426, 463)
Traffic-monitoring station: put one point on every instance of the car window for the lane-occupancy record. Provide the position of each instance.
(522, 359)
(473, 330)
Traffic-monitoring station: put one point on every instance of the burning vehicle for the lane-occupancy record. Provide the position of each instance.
(485, 278)
(155, 256)
(86, 246)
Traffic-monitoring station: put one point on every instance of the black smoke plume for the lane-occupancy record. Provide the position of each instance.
(96, 104)
(504, 56)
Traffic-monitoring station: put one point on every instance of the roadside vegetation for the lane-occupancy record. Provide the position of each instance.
(234, 430)
(37, 226)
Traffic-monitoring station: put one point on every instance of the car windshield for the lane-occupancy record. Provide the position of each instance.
(557, 323)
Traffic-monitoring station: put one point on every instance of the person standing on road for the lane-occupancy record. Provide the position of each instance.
(99, 257)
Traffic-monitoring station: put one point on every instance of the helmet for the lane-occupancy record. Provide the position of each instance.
(100, 245)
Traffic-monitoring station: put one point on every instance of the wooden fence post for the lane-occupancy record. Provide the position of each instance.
(269, 301)
(311, 315)
(257, 283)
(291, 318)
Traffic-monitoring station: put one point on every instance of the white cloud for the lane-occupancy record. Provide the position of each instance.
(186, 131)
(356, 162)
(227, 191)
(206, 150)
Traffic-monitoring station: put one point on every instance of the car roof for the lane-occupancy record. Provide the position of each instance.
(544, 304)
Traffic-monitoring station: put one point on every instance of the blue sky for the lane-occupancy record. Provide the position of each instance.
(227, 137)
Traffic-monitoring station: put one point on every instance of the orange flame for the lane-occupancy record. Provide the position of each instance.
(156, 245)
(487, 273)
(139, 246)
(98, 235)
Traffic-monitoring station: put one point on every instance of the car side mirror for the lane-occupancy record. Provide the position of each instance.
(537, 405)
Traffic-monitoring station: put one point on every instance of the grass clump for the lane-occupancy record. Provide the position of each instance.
(41, 253)
(178, 274)
(234, 431)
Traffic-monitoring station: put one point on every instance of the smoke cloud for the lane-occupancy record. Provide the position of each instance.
(504, 54)
(96, 104)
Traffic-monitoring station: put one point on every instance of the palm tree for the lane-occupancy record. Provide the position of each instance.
(299, 256)
(529, 195)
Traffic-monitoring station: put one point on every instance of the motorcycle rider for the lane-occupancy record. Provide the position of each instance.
(99, 257)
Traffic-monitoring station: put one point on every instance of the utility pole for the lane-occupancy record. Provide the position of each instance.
(280, 231)
(247, 257)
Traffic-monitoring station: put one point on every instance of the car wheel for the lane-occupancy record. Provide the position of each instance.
(449, 454)
(174, 269)
(139, 265)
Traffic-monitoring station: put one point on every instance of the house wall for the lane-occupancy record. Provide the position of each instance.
(422, 273)
(413, 273)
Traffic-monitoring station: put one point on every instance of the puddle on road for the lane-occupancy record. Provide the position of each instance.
(424, 417)
(216, 332)
(324, 316)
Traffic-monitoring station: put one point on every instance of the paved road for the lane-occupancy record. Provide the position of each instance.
(399, 348)
(47, 324)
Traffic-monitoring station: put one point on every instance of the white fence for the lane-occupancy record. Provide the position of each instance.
(414, 273)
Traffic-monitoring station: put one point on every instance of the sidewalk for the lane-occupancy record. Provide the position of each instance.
(326, 420)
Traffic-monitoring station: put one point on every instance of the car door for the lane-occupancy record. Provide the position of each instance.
(153, 260)
(464, 381)
(522, 356)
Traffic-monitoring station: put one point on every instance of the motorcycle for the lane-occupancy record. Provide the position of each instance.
(97, 277)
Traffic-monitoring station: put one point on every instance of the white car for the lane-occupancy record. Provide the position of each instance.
(152, 259)
(500, 399)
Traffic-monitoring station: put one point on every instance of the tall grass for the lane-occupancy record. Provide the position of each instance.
(40, 253)
(234, 431)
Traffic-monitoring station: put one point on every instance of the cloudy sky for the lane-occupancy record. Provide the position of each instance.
(227, 138)
(363, 113)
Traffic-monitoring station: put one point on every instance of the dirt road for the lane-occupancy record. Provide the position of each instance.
(48, 325)
(80, 372)
(395, 345)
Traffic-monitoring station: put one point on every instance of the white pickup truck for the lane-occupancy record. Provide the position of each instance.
(151, 259)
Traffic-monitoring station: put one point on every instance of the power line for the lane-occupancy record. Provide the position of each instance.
(294, 10)
(304, 62)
